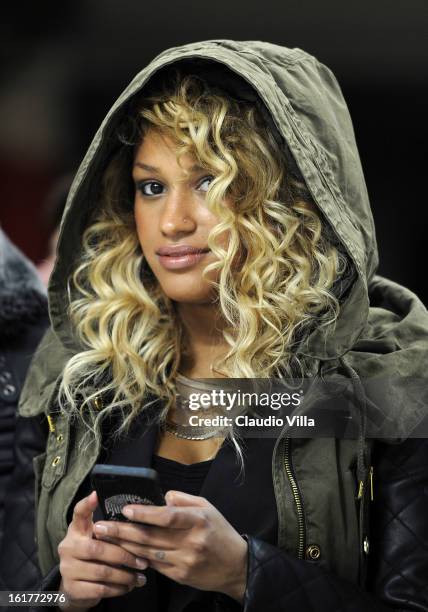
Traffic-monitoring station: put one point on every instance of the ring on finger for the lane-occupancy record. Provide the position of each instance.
(160, 555)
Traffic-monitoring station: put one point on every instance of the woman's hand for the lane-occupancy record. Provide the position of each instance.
(90, 569)
(187, 540)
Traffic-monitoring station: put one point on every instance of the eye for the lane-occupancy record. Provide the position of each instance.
(203, 186)
(150, 188)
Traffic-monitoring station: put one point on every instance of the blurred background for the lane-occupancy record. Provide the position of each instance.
(65, 63)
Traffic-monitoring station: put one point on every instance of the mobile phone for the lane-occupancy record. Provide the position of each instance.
(119, 485)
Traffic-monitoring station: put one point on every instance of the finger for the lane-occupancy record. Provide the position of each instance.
(178, 498)
(106, 552)
(163, 516)
(139, 550)
(176, 573)
(97, 590)
(164, 568)
(100, 572)
(83, 512)
(115, 531)
(158, 556)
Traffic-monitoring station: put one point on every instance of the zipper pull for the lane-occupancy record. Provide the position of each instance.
(51, 423)
(361, 486)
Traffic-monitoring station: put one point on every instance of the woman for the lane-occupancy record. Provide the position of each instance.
(219, 227)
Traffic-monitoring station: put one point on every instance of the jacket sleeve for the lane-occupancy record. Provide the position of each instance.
(398, 560)
(18, 554)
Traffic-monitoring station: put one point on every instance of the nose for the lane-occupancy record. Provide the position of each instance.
(177, 216)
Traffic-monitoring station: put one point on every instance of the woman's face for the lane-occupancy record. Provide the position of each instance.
(172, 218)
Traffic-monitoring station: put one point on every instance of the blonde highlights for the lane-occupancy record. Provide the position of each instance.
(275, 277)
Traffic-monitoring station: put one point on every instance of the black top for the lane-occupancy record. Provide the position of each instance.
(178, 477)
(246, 500)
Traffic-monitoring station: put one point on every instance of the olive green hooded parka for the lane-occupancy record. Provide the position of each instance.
(320, 484)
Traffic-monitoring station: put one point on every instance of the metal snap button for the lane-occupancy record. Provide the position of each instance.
(366, 545)
(59, 438)
(9, 390)
(313, 552)
(5, 376)
(56, 461)
(98, 403)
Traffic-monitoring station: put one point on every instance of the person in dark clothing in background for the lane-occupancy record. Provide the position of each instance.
(23, 320)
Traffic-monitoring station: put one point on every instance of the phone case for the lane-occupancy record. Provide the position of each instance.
(117, 486)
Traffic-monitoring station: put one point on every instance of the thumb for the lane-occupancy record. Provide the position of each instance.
(82, 514)
(178, 498)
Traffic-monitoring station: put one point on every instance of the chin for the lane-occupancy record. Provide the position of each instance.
(190, 299)
(180, 295)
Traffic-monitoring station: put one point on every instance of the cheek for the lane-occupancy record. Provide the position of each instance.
(137, 215)
(142, 223)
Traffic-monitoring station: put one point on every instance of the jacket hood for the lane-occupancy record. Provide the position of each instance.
(303, 103)
(22, 296)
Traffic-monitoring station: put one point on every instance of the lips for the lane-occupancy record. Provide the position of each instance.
(180, 257)
(180, 251)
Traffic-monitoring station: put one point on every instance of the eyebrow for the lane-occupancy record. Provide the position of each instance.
(194, 168)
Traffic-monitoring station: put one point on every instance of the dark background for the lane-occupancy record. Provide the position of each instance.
(65, 63)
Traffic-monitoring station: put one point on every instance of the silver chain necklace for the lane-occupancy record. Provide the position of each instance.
(198, 433)
(190, 432)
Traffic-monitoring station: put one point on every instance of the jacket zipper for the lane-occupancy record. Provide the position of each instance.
(297, 499)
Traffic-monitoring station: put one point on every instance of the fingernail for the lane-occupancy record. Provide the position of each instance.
(128, 512)
(101, 529)
(141, 579)
(141, 563)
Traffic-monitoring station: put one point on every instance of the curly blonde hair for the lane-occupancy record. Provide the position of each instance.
(131, 336)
